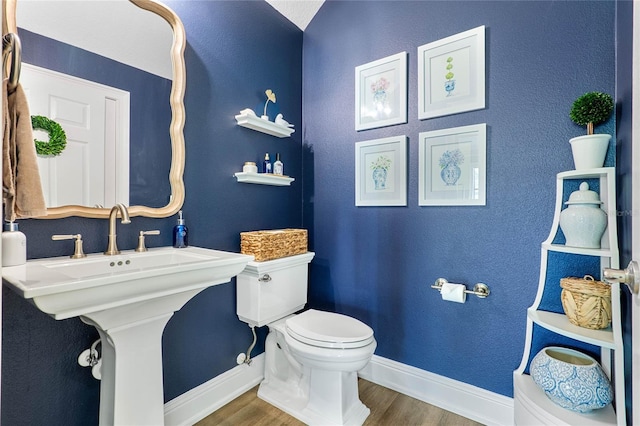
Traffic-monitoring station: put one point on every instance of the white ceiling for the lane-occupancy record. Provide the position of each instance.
(300, 12)
(155, 36)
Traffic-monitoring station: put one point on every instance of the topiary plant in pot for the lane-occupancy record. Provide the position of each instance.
(589, 110)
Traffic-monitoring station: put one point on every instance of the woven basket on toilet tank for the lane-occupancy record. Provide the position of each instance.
(274, 244)
(586, 302)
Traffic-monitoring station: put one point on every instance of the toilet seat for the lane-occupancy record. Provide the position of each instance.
(328, 330)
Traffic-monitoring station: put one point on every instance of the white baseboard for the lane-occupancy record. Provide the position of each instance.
(466, 400)
(199, 402)
(474, 403)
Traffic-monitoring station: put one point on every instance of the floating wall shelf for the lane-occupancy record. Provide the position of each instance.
(265, 126)
(264, 179)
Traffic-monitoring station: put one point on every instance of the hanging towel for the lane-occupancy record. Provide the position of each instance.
(22, 189)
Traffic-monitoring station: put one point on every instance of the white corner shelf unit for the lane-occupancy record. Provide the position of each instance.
(253, 122)
(531, 405)
(264, 179)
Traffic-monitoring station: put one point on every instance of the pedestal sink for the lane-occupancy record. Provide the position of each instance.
(129, 298)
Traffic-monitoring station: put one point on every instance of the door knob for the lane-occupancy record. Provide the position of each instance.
(630, 276)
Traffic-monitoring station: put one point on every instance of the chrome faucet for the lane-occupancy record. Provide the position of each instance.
(112, 247)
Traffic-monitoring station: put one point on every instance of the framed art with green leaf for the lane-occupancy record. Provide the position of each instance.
(451, 74)
(381, 172)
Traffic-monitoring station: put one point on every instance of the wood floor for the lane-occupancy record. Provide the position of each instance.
(387, 408)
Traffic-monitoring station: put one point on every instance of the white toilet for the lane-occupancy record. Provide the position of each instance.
(312, 358)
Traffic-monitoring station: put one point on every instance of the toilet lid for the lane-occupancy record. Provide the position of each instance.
(329, 330)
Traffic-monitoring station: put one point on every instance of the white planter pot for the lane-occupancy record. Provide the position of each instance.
(589, 151)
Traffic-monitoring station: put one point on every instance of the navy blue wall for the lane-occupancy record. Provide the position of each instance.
(377, 263)
(236, 50)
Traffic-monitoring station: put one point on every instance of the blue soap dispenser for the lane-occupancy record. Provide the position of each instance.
(180, 233)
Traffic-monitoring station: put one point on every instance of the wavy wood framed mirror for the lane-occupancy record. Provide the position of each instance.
(177, 83)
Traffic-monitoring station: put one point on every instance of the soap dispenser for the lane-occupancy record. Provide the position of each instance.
(14, 245)
(180, 233)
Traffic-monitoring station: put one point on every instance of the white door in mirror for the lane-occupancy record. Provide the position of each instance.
(93, 169)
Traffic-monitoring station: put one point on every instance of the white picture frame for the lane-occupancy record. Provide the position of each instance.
(381, 172)
(451, 74)
(440, 153)
(381, 92)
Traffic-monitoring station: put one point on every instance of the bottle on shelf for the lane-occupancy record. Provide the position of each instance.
(266, 165)
(278, 168)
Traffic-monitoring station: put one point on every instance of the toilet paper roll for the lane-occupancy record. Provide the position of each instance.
(453, 292)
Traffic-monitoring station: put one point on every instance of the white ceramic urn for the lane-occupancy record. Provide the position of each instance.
(583, 221)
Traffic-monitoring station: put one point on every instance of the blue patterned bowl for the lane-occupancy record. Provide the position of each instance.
(571, 379)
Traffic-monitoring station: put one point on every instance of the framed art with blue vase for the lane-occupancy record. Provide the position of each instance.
(381, 92)
(451, 74)
(452, 166)
(381, 172)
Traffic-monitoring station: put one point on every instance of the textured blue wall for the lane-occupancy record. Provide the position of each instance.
(235, 51)
(377, 263)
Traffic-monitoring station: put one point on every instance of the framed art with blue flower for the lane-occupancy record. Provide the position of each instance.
(381, 92)
(381, 172)
(452, 166)
(451, 74)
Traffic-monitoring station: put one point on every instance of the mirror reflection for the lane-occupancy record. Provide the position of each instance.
(106, 78)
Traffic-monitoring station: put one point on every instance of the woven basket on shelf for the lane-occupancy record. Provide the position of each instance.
(586, 302)
(268, 245)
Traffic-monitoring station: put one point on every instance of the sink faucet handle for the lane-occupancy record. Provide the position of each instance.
(141, 247)
(78, 253)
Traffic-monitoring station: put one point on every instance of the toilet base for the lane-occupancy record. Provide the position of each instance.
(315, 396)
(299, 406)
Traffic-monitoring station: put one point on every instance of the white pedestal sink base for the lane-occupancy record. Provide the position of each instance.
(131, 390)
(129, 298)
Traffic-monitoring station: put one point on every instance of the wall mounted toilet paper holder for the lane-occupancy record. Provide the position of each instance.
(480, 289)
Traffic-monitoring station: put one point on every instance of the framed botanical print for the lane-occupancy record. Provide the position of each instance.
(452, 166)
(381, 92)
(381, 172)
(451, 74)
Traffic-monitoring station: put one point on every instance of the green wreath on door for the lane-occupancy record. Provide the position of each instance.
(57, 137)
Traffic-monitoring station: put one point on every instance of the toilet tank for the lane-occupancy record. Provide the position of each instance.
(268, 291)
